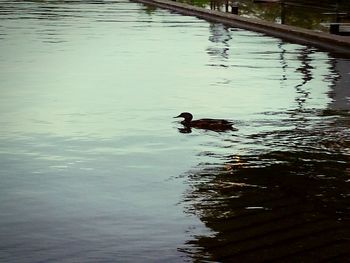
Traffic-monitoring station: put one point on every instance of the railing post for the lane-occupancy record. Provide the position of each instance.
(334, 28)
(234, 8)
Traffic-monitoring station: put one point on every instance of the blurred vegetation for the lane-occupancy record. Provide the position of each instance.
(309, 14)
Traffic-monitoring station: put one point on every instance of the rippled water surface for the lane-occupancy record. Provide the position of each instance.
(93, 167)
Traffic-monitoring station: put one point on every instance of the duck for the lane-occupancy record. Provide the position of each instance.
(218, 125)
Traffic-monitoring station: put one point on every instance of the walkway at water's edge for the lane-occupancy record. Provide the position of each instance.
(321, 40)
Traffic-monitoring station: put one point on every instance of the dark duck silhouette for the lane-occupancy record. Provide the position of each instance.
(217, 125)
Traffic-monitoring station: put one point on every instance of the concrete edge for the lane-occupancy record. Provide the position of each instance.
(333, 43)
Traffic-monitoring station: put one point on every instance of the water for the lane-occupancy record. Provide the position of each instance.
(94, 169)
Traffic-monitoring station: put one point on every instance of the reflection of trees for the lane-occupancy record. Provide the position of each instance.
(305, 70)
(149, 9)
(288, 203)
(340, 92)
(220, 36)
(283, 61)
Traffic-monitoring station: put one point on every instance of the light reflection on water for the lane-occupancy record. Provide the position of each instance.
(92, 165)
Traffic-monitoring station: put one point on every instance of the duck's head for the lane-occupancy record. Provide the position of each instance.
(186, 115)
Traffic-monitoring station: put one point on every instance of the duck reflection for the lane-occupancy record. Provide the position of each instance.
(185, 129)
(217, 125)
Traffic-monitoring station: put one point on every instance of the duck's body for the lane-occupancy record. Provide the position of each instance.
(207, 124)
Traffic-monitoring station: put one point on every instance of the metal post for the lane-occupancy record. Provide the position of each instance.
(234, 8)
(334, 29)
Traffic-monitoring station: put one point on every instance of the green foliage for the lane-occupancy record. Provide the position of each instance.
(303, 13)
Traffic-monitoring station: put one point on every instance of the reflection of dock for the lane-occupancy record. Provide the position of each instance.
(292, 231)
(340, 92)
(281, 212)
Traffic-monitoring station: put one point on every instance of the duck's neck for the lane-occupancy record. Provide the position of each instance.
(186, 121)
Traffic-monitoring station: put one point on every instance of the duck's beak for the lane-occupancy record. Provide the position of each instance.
(177, 116)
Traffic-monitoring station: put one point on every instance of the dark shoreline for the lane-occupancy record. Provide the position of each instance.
(324, 41)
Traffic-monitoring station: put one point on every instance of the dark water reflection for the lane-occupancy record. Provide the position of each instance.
(90, 157)
(291, 203)
(282, 193)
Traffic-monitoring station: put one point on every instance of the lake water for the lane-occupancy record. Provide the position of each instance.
(93, 167)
